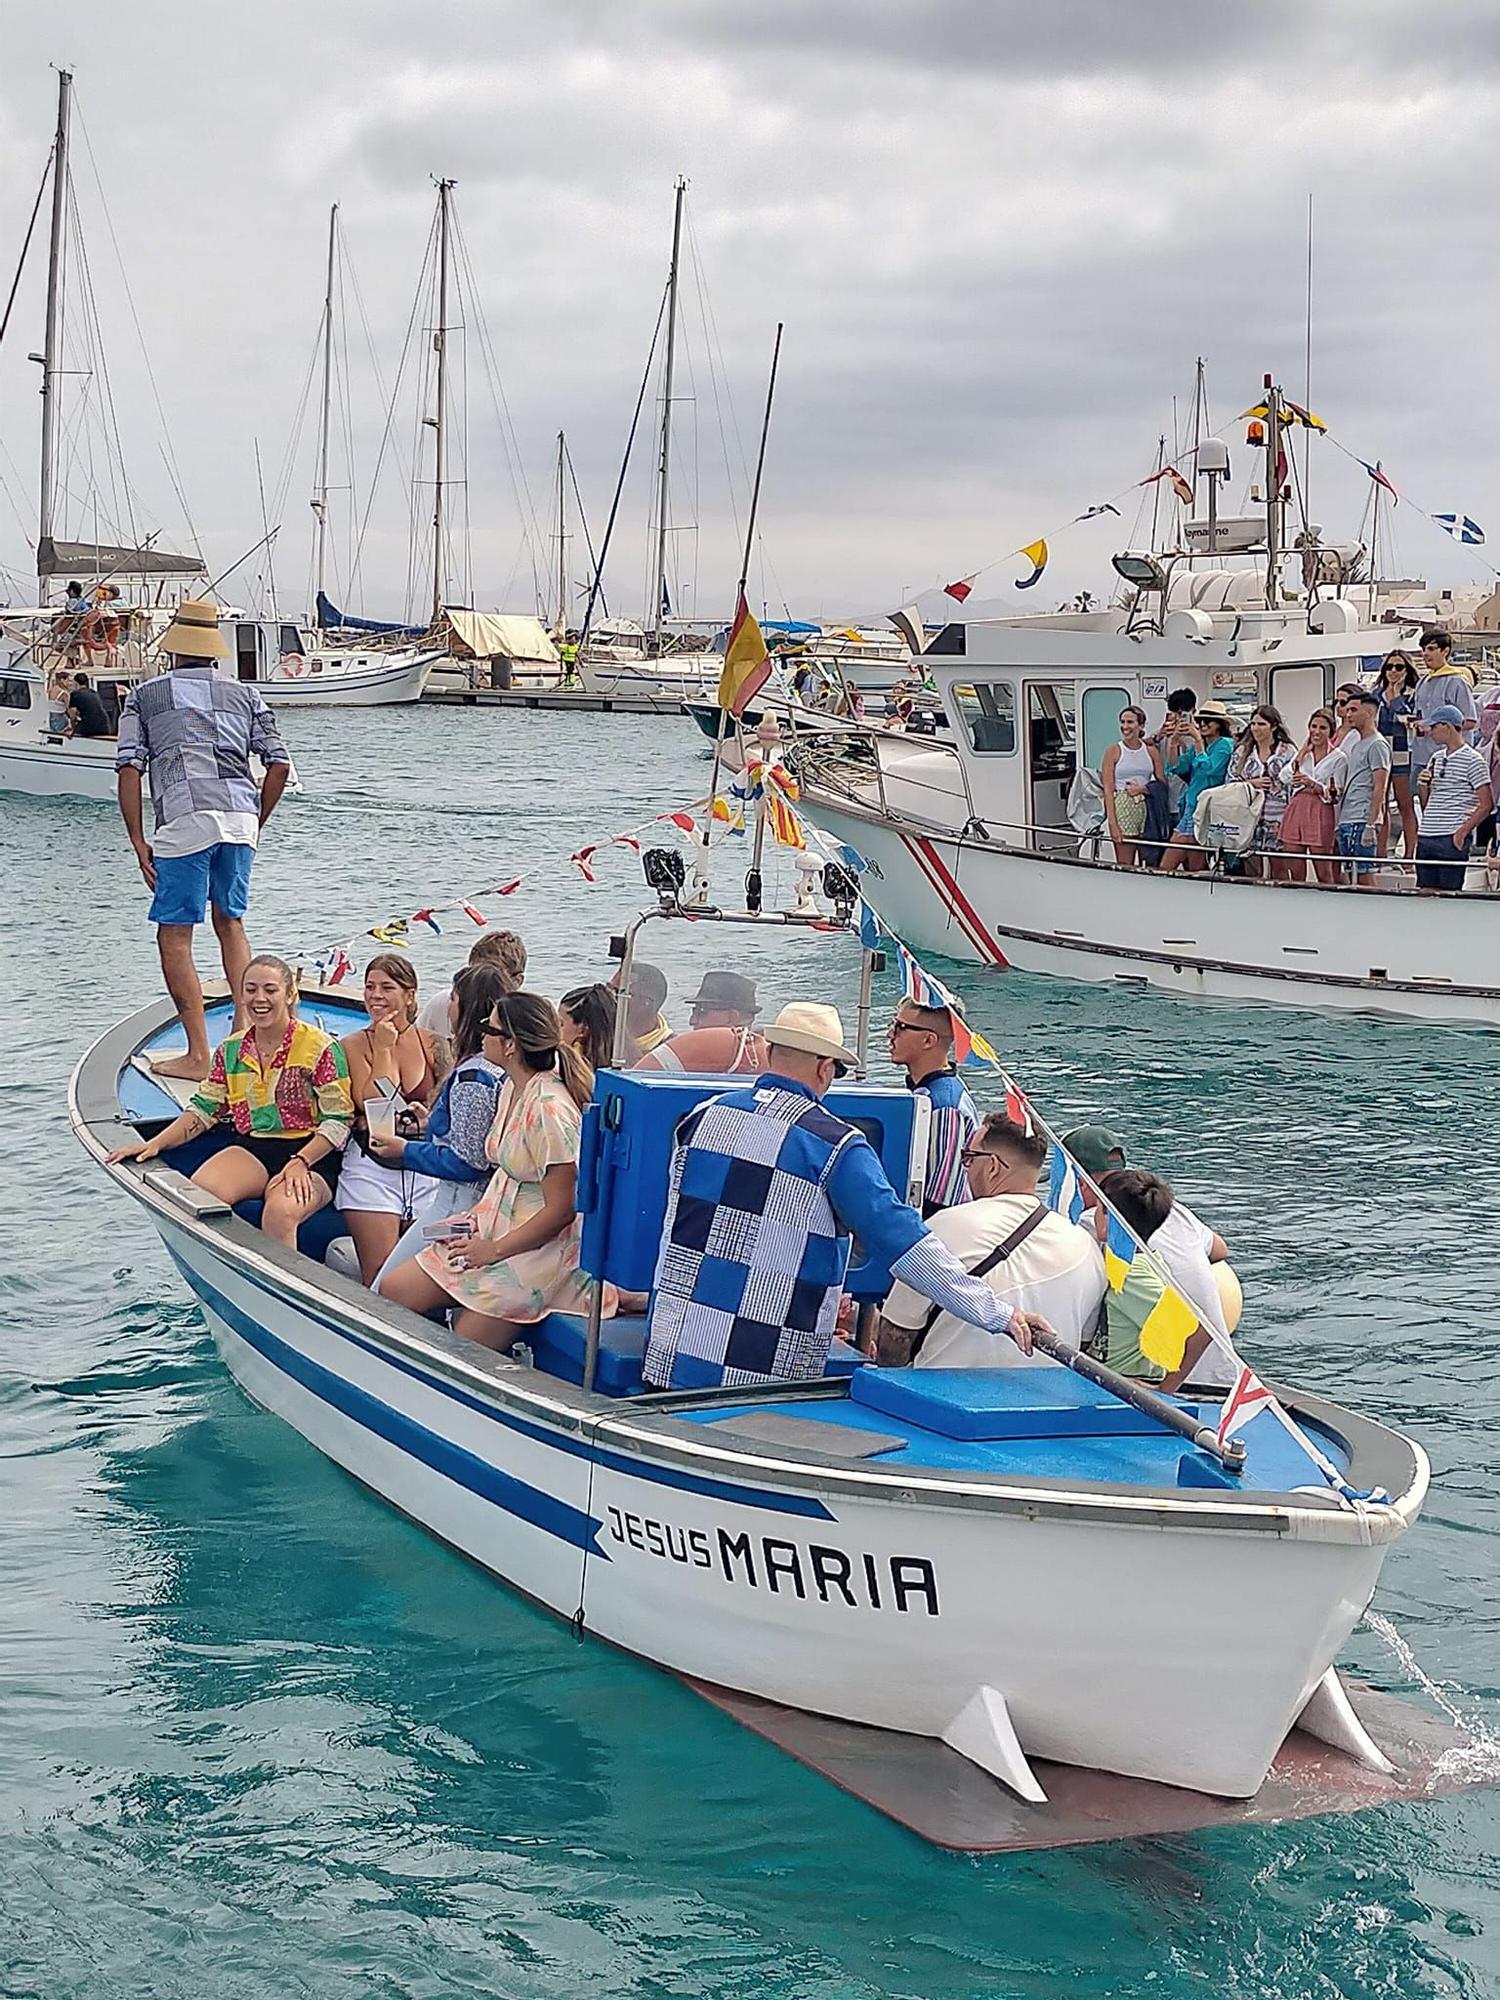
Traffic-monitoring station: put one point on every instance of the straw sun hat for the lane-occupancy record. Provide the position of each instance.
(814, 1029)
(194, 632)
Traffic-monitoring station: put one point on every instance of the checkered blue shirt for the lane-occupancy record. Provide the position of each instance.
(195, 730)
(765, 1191)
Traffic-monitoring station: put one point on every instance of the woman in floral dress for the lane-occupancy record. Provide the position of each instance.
(514, 1258)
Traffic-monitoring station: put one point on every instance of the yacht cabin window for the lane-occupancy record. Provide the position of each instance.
(14, 693)
(987, 711)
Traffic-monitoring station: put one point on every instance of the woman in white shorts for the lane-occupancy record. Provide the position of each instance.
(377, 1201)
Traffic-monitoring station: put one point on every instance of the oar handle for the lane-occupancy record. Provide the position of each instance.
(1231, 1455)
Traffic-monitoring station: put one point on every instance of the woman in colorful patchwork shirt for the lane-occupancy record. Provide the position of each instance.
(280, 1091)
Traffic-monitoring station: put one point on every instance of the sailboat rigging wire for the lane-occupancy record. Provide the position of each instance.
(36, 209)
(583, 522)
(349, 271)
(514, 461)
(609, 526)
(390, 415)
(161, 415)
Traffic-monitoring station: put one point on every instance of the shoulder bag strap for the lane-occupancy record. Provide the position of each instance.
(987, 1264)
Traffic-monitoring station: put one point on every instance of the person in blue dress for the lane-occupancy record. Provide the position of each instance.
(1204, 748)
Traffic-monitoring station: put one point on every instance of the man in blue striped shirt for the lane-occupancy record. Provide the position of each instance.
(194, 730)
(921, 1043)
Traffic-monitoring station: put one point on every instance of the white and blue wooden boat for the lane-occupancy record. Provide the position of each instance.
(1006, 1560)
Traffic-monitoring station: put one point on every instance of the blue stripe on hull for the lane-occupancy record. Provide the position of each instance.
(514, 1496)
(612, 1461)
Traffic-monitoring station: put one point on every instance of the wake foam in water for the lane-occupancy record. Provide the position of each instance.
(1477, 1759)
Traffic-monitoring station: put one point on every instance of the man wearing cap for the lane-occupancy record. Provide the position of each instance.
(720, 1036)
(765, 1192)
(921, 1043)
(1456, 797)
(195, 730)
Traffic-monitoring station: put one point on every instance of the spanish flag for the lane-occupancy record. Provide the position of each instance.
(747, 667)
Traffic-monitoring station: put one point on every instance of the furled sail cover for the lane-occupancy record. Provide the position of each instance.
(330, 618)
(101, 559)
(489, 635)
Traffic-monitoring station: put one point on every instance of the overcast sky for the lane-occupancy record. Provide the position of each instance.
(998, 234)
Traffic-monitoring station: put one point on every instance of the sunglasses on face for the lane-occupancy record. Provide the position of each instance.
(977, 1153)
(494, 1027)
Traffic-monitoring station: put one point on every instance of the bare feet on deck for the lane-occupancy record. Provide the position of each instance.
(192, 1069)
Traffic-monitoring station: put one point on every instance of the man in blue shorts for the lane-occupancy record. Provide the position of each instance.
(194, 730)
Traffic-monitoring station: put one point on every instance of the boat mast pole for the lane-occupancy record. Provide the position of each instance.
(440, 342)
(50, 369)
(664, 469)
(752, 879)
(562, 538)
(1273, 495)
(320, 505)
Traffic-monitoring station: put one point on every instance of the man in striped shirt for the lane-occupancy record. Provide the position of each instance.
(921, 1043)
(1456, 796)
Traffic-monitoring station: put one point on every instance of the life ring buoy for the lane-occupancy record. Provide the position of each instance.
(293, 666)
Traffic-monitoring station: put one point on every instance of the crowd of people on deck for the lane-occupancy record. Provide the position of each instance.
(1393, 768)
(448, 1136)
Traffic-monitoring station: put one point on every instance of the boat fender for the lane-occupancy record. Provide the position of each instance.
(1328, 1714)
(983, 1732)
(1231, 1296)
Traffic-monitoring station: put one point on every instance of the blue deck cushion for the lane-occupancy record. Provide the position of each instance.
(998, 1402)
(558, 1344)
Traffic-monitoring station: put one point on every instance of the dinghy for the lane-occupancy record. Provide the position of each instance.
(1015, 1562)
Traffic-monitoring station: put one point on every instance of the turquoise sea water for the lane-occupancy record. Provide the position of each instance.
(259, 1736)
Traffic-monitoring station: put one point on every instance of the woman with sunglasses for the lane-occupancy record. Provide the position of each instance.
(514, 1259)
(396, 1059)
(1127, 768)
(1397, 679)
(1263, 758)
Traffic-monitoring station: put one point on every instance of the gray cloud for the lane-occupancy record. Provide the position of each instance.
(998, 235)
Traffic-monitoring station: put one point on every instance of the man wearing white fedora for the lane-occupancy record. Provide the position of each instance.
(194, 730)
(767, 1188)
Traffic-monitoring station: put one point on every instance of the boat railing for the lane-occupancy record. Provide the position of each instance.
(824, 760)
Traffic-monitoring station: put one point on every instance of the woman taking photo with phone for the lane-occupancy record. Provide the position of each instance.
(517, 1260)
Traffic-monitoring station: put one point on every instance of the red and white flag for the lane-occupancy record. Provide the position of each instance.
(960, 590)
(1180, 486)
(1245, 1401)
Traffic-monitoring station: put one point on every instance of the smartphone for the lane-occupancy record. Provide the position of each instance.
(451, 1229)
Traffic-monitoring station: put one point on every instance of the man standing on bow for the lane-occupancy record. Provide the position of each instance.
(195, 730)
(921, 1043)
(766, 1190)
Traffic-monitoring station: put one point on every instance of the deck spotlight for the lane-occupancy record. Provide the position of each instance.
(1142, 569)
(664, 873)
(841, 887)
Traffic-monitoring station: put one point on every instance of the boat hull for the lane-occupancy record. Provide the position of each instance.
(1345, 950)
(878, 1609)
(380, 685)
(58, 768)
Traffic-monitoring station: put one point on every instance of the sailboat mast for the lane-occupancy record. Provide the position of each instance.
(320, 505)
(440, 342)
(562, 535)
(50, 370)
(663, 489)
